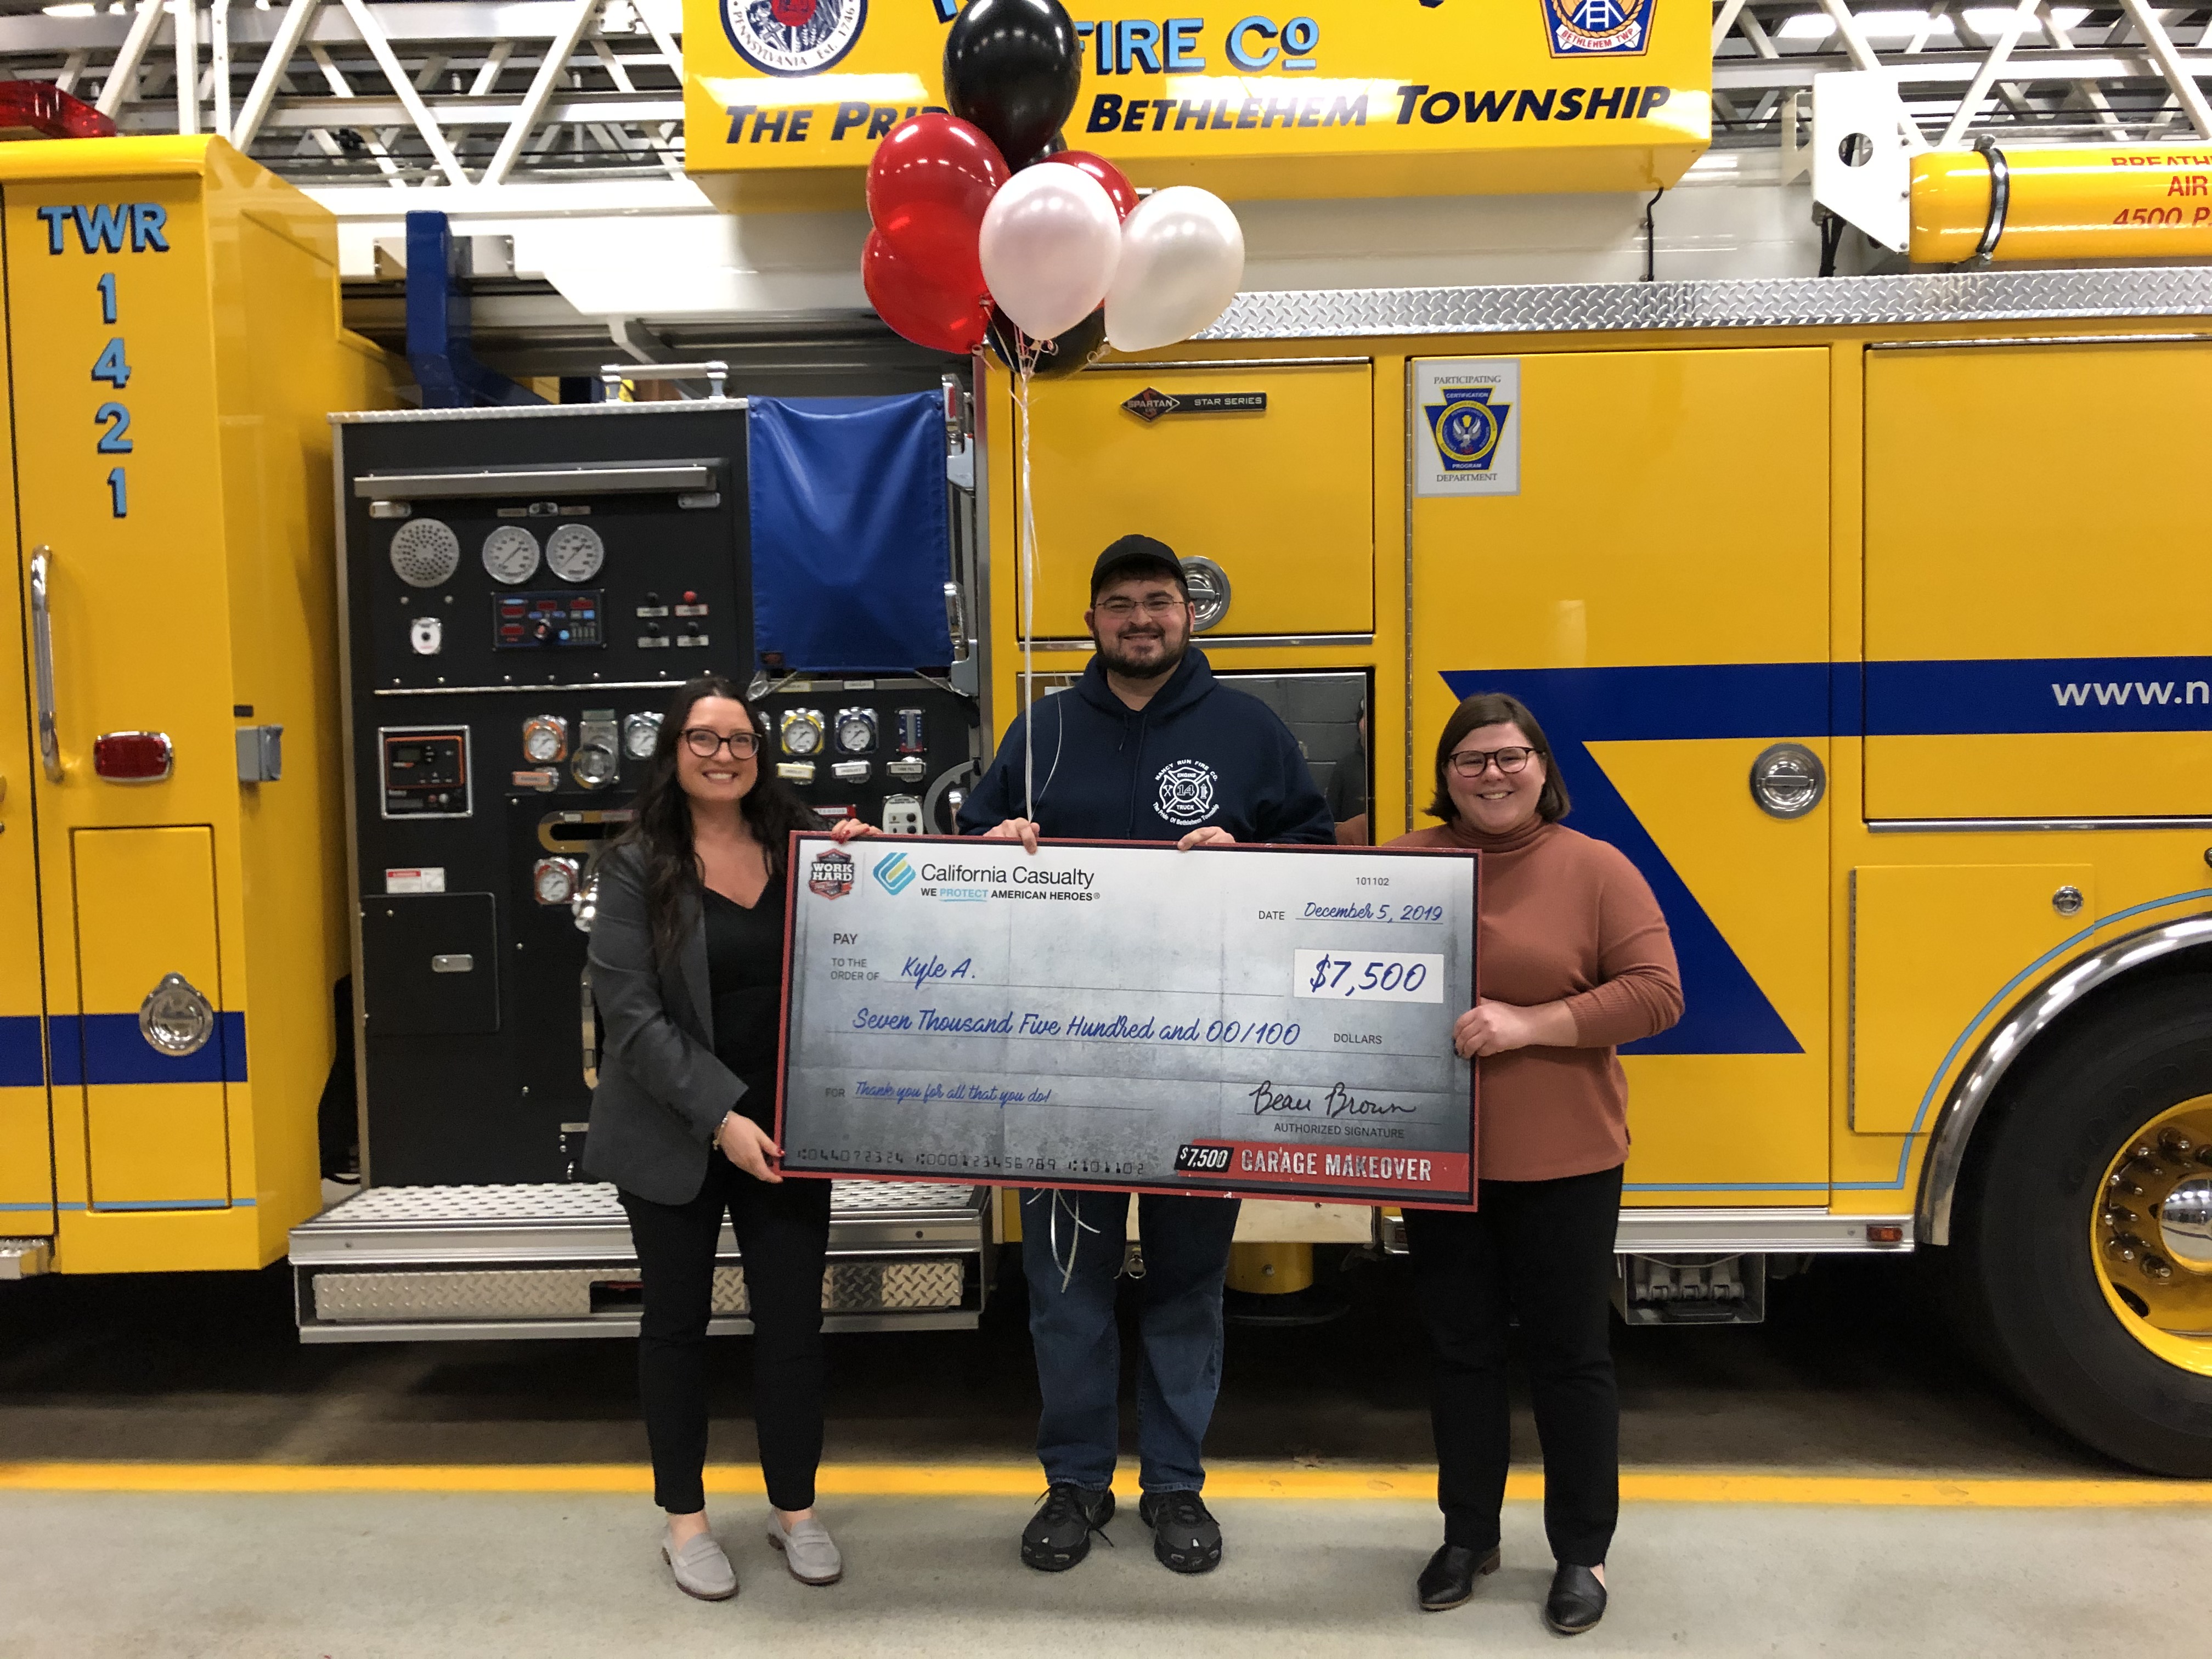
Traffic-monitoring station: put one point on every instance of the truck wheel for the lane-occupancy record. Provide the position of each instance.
(2085, 1231)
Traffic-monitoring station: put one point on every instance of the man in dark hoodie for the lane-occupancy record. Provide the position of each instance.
(1147, 746)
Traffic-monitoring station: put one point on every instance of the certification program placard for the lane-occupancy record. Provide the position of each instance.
(1270, 1021)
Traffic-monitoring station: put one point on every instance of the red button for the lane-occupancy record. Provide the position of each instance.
(690, 598)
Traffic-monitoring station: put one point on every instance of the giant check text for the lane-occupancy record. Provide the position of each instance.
(1271, 1021)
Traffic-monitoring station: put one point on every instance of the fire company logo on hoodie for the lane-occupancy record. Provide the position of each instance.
(1186, 793)
(793, 37)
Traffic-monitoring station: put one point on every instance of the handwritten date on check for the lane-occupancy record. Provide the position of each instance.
(1269, 1021)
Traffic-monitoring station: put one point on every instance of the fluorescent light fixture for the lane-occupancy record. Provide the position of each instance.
(905, 90)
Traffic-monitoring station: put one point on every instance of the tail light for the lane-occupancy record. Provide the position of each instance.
(40, 109)
(132, 757)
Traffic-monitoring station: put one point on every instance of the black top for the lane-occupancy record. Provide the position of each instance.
(745, 971)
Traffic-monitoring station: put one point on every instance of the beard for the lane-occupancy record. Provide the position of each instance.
(1172, 652)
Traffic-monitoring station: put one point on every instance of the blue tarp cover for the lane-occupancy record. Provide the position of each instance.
(850, 546)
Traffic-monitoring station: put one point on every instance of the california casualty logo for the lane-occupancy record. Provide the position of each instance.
(968, 883)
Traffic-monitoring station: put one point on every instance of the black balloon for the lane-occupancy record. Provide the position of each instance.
(1013, 68)
(1077, 349)
(1057, 147)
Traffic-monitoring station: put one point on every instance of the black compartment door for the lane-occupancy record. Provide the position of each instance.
(433, 965)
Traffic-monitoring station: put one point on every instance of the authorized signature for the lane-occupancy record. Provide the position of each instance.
(1269, 1100)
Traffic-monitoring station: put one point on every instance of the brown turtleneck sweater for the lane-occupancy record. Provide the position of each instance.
(1564, 919)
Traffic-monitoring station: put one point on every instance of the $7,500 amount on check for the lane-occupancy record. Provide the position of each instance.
(1270, 1021)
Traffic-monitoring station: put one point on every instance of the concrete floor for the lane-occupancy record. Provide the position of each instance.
(1856, 1373)
(356, 1577)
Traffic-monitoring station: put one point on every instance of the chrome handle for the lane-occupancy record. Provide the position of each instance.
(591, 1024)
(42, 651)
(611, 375)
(955, 621)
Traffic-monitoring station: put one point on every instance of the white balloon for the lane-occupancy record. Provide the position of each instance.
(1051, 242)
(1182, 261)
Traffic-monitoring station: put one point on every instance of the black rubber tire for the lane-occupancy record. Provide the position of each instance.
(2021, 1231)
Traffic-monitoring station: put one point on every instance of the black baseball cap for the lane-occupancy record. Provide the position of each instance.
(1136, 556)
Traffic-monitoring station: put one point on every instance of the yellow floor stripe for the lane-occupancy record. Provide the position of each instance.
(1023, 1481)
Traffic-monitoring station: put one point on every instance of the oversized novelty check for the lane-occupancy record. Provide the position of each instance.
(1269, 1021)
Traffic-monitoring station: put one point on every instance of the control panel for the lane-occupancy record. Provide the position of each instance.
(524, 591)
(548, 622)
(426, 771)
(897, 751)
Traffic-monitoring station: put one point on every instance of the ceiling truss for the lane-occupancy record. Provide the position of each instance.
(415, 93)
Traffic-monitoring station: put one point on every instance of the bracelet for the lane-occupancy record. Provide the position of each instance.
(718, 1128)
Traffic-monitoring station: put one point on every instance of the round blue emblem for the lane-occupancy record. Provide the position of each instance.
(1467, 432)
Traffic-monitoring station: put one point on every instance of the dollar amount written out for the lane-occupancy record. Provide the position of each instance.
(1369, 975)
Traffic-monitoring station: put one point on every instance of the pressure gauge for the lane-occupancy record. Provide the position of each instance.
(553, 881)
(545, 739)
(574, 552)
(595, 766)
(802, 731)
(510, 555)
(640, 733)
(856, 730)
(425, 552)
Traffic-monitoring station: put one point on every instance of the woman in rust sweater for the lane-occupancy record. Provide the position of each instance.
(1575, 959)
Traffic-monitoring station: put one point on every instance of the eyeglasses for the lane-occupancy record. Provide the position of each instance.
(1152, 604)
(1474, 763)
(743, 745)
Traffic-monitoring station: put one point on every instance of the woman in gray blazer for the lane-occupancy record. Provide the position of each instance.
(687, 968)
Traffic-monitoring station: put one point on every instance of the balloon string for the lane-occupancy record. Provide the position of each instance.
(1024, 366)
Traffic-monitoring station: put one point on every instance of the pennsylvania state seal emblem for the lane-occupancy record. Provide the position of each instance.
(1597, 28)
(793, 37)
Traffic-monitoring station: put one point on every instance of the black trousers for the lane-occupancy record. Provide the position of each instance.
(783, 1234)
(1542, 1250)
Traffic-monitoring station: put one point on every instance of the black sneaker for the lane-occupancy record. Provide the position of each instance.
(1059, 1533)
(1185, 1537)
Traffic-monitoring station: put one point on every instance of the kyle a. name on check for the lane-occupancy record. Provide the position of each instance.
(1274, 1022)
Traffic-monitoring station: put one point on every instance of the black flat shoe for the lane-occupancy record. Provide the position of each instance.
(1449, 1579)
(1577, 1602)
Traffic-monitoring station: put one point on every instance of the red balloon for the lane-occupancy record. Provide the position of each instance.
(929, 185)
(1115, 181)
(928, 312)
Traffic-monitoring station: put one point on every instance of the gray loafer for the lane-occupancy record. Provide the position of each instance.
(700, 1568)
(808, 1551)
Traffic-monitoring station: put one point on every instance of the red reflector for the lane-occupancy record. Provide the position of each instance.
(1885, 1235)
(40, 109)
(132, 757)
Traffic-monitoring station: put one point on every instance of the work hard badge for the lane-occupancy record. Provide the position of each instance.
(831, 875)
(1469, 410)
(793, 37)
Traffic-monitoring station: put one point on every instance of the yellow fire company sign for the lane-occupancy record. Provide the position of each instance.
(784, 100)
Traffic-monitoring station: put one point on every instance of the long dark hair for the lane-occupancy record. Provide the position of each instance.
(662, 830)
(1497, 708)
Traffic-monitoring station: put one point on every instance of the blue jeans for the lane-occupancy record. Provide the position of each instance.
(1078, 1346)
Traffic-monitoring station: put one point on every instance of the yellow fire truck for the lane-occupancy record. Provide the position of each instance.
(1849, 606)
(1858, 625)
(171, 831)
